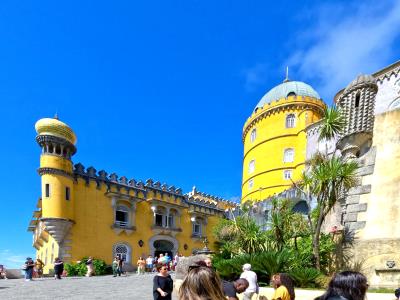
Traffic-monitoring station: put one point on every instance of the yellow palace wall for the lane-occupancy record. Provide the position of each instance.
(92, 233)
(272, 138)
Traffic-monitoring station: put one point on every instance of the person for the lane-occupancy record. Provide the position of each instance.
(39, 264)
(251, 277)
(201, 283)
(162, 284)
(397, 293)
(347, 285)
(115, 268)
(3, 272)
(284, 287)
(161, 259)
(208, 262)
(176, 260)
(120, 265)
(167, 261)
(58, 268)
(89, 266)
(28, 267)
(149, 263)
(141, 263)
(232, 288)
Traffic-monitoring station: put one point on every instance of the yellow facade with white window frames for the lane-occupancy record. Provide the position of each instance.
(275, 141)
(84, 212)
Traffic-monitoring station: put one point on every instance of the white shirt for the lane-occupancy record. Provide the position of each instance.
(149, 260)
(251, 277)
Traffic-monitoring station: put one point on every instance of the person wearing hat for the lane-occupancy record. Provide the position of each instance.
(251, 277)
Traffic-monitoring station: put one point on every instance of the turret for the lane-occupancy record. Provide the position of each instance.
(357, 105)
(57, 141)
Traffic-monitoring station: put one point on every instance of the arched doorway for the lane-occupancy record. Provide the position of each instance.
(162, 247)
(163, 244)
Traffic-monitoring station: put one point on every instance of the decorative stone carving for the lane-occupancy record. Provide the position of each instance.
(57, 228)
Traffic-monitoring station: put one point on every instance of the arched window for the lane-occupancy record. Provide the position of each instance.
(171, 218)
(123, 251)
(288, 155)
(160, 216)
(197, 227)
(253, 135)
(251, 184)
(122, 216)
(252, 166)
(290, 120)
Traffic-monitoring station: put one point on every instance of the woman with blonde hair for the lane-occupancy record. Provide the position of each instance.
(201, 283)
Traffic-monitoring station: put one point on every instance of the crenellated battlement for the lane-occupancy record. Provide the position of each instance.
(102, 177)
(207, 199)
(283, 104)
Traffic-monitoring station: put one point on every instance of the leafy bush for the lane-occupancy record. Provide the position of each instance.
(80, 269)
(265, 264)
(323, 281)
(305, 277)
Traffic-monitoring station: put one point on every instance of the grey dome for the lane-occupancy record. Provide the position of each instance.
(360, 81)
(286, 89)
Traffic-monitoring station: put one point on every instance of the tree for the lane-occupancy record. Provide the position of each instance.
(285, 225)
(326, 178)
(240, 235)
(326, 181)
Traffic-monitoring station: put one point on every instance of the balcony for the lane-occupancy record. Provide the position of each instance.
(172, 231)
(158, 227)
(121, 226)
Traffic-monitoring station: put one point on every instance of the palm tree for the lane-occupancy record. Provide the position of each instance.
(332, 124)
(326, 181)
(327, 177)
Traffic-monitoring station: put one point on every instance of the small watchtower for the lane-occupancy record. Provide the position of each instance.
(357, 105)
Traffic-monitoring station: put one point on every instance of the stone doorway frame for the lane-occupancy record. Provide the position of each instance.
(165, 238)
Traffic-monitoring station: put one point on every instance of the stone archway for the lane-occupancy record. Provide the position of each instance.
(163, 243)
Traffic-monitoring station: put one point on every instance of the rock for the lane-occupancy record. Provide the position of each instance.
(184, 263)
(14, 273)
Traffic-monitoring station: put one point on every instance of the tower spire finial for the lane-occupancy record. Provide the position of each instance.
(56, 115)
(287, 74)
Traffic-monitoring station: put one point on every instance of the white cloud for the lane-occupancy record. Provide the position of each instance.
(12, 260)
(345, 41)
(255, 76)
(235, 199)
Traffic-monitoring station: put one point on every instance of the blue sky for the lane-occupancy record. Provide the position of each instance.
(161, 89)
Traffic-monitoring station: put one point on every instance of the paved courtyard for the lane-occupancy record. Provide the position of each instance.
(132, 287)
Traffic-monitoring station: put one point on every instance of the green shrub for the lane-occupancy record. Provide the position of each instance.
(80, 269)
(265, 264)
(305, 277)
(322, 281)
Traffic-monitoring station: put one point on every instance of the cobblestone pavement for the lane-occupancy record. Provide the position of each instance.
(133, 287)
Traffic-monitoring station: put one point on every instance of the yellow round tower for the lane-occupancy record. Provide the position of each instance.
(275, 141)
(57, 141)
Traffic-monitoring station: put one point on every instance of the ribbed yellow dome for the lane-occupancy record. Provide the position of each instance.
(50, 126)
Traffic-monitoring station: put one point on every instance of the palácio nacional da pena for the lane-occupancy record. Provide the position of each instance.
(84, 212)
